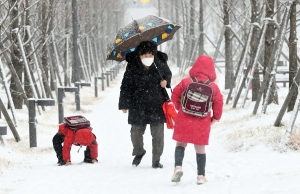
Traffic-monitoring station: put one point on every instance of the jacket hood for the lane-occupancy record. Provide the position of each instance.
(203, 69)
(131, 57)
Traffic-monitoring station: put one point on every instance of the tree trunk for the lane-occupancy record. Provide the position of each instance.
(228, 46)
(201, 29)
(15, 56)
(27, 87)
(67, 26)
(44, 46)
(253, 47)
(50, 19)
(192, 29)
(178, 51)
(269, 46)
(293, 53)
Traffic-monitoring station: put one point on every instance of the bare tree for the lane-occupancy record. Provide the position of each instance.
(27, 87)
(255, 18)
(269, 46)
(201, 28)
(16, 57)
(228, 45)
(293, 53)
(44, 37)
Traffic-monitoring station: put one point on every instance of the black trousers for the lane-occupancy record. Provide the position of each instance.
(157, 132)
(58, 140)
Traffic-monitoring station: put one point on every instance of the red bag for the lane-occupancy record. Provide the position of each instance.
(76, 122)
(170, 114)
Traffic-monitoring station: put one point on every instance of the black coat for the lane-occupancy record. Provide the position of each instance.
(141, 92)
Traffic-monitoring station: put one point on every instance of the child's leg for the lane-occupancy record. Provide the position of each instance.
(200, 149)
(201, 159)
(87, 153)
(57, 141)
(94, 149)
(179, 153)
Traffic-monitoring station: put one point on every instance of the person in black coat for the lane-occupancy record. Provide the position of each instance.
(142, 95)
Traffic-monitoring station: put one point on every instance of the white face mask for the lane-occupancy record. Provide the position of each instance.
(147, 61)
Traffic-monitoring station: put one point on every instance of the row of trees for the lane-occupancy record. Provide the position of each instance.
(37, 42)
(227, 24)
(39, 34)
(253, 37)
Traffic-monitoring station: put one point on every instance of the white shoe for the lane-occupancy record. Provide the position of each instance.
(201, 179)
(177, 174)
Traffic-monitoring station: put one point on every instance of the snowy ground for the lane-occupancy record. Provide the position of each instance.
(242, 157)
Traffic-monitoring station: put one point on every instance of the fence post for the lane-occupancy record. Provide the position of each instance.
(107, 78)
(102, 81)
(31, 114)
(60, 96)
(111, 75)
(3, 131)
(96, 86)
(113, 72)
(77, 94)
(32, 126)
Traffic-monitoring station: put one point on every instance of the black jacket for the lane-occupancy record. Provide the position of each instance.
(141, 92)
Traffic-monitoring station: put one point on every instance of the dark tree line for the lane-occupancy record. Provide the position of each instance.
(247, 36)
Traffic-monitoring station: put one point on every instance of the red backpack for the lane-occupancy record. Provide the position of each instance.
(197, 98)
(76, 122)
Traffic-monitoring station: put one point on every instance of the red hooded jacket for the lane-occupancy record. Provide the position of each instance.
(192, 129)
(84, 137)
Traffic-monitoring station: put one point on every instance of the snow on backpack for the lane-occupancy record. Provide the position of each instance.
(76, 122)
(197, 98)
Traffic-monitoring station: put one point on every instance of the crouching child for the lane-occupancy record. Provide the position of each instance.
(75, 130)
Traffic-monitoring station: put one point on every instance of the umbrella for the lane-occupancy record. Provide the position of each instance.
(112, 54)
(149, 28)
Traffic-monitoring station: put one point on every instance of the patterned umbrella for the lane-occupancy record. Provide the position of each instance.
(149, 28)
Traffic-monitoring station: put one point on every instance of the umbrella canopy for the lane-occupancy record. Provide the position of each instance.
(149, 28)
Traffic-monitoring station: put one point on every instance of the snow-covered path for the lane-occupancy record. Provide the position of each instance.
(258, 170)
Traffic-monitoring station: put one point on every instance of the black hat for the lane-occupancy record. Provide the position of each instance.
(147, 47)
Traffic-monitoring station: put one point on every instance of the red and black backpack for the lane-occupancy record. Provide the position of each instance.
(197, 98)
(76, 122)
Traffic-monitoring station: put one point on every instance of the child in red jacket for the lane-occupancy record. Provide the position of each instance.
(68, 136)
(192, 129)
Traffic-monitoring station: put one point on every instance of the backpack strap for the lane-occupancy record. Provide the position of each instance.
(208, 82)
(194, 79)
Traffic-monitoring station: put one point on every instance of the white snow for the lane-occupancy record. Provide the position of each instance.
(243, 155)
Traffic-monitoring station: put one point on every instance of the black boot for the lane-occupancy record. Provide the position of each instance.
(137, 159)
(157, 165)
(87, 155)
(179, 155)
(201, 161)
(60, 160)
(61, 163)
